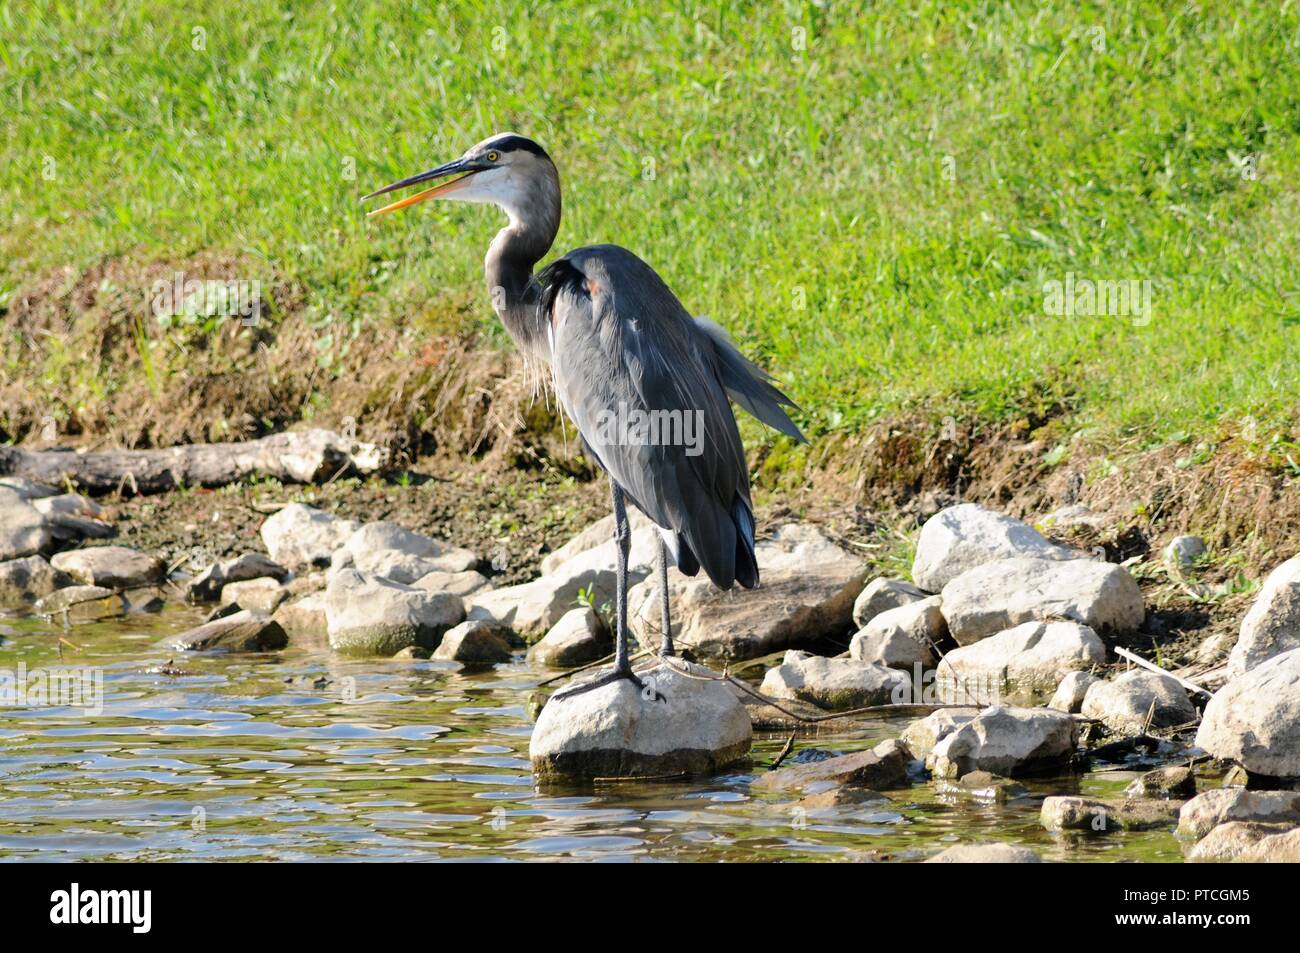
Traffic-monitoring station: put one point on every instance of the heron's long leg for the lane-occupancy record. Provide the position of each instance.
(665, 618)
(622, 541)
(622, 664)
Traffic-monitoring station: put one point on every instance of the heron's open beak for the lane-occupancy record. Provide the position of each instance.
(447, 188)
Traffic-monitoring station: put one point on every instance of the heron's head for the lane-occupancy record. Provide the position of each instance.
(507, 170)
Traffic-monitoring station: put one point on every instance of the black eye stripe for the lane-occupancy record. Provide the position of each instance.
(517, 144)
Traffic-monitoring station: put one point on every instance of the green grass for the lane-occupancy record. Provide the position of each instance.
(803, 198)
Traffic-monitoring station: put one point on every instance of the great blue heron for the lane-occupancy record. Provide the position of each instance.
(618, 343)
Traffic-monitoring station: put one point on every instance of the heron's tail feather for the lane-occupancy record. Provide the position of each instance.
(748, 384)
(687, 564)
(746, 561)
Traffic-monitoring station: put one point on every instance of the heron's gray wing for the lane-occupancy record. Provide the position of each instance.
(622, 346)
(748, 384)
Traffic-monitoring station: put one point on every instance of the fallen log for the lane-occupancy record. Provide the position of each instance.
(306, 456)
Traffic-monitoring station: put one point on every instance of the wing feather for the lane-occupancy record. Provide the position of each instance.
(623, 343)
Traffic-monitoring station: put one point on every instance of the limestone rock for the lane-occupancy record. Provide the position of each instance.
(883, 594)
(1103, 816)
(580, 637)
(1183, 551)
(1124, 703)
(1246, 842)
(1175, 781)
(371, 615)
(891, 649)
(593, 548)
(304, 620)
(261, 595)
(76, 604)
(924, 733)
(903, 637)
(833, 684)
(1006, 741)
(1021, 666)
(882, 767)
(457, 583)
(808, 588)
(965, 536)
(114, 567)
(531, 609)
(477, 642)
(71, 516)
(1272, 626)
(1218, 806)
(1255, 718)
(23, 529)
(999, 595)
(616, 730)
(1072, 690)
(243, 631)
(984, 854)
(301, 535)
(26, 580)
(206, 586)
(386, 549)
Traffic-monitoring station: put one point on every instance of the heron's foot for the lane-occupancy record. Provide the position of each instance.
(647, 689)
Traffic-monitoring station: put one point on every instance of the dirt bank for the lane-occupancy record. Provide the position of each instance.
(490, 465)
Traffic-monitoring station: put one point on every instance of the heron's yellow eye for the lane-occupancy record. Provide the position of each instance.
(492, 157)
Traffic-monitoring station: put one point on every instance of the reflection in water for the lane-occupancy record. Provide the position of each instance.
(306, 756)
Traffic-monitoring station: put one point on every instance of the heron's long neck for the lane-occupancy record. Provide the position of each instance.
(508, 267)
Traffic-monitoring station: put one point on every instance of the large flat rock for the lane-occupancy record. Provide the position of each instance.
(618, 731)
(244, 631)
(808, 588)
(583, 566)
(531, 609)
(999, 595)
(114, 567)
(880, 768)
(77, 604)
(1104, 815)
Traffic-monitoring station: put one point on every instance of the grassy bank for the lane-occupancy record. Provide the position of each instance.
(874, 202)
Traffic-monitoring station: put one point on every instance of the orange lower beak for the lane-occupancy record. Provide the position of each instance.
(444, 189)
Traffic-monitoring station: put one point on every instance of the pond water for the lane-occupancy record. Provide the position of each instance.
(306, 756)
